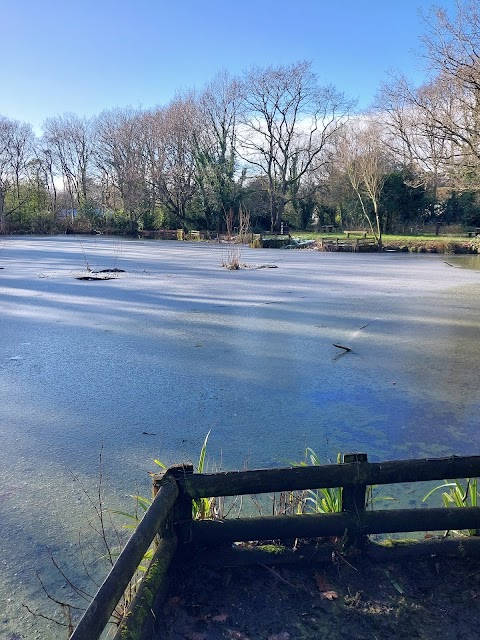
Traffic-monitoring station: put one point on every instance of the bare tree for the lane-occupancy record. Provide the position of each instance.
(69, 140)
(149, 157)
(219, 181)
(154, 149)
(447, 108)
(5, 168)
(16, 149)
(364, 160)
(21, 152)
(452, 45)
(287, 122)
(178, 182)
(435, 128)
(46, 169)
(120, 158)
(408, 118)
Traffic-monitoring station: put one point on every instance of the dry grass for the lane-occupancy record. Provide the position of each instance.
(233, 257)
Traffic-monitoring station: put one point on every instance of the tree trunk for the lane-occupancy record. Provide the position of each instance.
(3, 222)
(379, 225)
(278, 207)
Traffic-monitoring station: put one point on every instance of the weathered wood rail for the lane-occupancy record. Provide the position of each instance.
(154, 522)
(359, 233)
(162, 234)
(178, 234)
(170, 517)
(347, 243)
(273, 240)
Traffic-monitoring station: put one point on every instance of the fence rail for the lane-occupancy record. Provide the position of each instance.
(208, 532)
(356, 472)
(172, 508)
(347, 243)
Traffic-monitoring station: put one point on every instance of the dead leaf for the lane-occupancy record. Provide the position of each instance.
(326, 591)
(329, 595)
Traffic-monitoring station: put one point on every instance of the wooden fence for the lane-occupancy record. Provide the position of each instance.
(178, 234)
(348, 243)
(162, 234)
(170, 517)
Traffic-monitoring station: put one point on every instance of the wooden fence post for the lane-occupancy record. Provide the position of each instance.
(98, 612)
(139, 618)
(353, 501)
(182, 509)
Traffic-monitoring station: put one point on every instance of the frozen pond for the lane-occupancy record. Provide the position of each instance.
(145, 364)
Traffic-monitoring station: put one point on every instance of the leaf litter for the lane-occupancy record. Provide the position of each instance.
(423, 599)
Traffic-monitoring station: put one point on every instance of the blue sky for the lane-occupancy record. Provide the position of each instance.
(89, 55)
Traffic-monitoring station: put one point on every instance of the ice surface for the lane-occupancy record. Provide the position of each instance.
(177, 346)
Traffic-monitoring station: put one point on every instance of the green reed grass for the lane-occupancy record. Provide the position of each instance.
(459, 495)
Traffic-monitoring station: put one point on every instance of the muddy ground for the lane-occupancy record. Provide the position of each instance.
(434, 598)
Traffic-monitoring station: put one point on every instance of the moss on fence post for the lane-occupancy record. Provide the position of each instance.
(135, 624)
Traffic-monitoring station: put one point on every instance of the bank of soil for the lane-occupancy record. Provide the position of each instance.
(435, 598)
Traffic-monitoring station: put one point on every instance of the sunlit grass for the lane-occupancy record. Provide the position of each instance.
(428, 243)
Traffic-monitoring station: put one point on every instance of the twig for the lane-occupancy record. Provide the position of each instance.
(340, 346)
(366, 325)
(98, 508)
(41, 615)
(50, 597)
(83, 594)
(279, 576)
(84, 563)
(336, 555)
(85, 257)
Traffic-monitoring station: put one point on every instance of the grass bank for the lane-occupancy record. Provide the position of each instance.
(448, 244)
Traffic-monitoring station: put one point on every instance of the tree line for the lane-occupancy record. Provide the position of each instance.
(273, 142)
